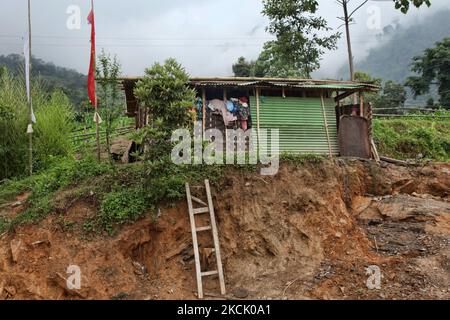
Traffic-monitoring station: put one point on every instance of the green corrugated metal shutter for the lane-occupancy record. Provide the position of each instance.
(300, 122)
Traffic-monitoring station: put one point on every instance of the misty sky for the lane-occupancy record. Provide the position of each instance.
(206, 36)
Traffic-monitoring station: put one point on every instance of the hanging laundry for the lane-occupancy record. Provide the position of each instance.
(244, 112)
(221, 107)
(230, 106)
(199, 107)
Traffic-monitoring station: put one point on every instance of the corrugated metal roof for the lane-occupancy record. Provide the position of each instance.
(276, 82)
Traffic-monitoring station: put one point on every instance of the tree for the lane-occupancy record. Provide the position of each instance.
(403, 5)
(298, 46)
(164, 92)
(392, 99)
(433, 68)
(347, 18)
(107, 73)
(242, 68)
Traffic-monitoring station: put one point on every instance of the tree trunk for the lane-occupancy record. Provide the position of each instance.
(349, 43)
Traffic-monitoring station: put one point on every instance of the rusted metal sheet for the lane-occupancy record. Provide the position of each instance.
(354, 137)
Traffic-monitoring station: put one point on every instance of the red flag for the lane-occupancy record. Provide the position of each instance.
(91, 75)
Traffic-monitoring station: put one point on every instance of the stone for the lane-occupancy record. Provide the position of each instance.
(16, 246)
(240, 293)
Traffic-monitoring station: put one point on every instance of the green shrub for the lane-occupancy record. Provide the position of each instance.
(53, 129)
(122, 206)
(51, 136)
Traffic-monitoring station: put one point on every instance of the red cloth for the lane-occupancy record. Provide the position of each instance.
(91, 74)
(243, 100)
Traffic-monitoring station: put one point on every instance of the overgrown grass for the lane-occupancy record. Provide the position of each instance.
(413, 138)
(54, 124)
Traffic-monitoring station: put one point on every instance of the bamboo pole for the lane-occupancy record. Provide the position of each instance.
(326, 125)
(97, 116)
(30, 102)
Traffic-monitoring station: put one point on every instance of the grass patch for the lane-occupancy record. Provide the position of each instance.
(302, 158)
(412, 139)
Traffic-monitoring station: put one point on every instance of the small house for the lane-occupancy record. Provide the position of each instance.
(313, 116)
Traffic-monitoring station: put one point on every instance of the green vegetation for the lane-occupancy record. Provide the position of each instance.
(299, 43)
(107, 73)
(404, 5)
(42, 187)
(414, 138)
(51, 132)
(433, 67)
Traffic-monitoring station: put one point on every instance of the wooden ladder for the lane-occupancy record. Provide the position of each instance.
(209, 207)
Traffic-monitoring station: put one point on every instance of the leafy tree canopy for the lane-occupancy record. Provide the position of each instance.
(298, 46)
(433, 67)
(404, 5)
(390, 99)
(163, 91)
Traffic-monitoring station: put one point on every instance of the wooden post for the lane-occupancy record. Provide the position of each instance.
(203, 112)
(225, 94)
(257, 92)
(361, 104)
(326, 125)
(97, 128)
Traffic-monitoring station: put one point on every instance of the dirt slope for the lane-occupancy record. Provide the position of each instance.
(308, 233)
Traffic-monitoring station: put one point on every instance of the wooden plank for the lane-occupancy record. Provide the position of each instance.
(204, 112)
(209, 273)
(361, 105)
(216, 238)
(343, 96)
(326, 126)
(199, 201)
(374, 150)
(201, 210)
(207, 228)
(195, 243)
(257, 115)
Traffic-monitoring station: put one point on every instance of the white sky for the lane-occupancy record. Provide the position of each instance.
(206, 36)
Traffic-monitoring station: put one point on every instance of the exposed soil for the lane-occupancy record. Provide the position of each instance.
(309, 232)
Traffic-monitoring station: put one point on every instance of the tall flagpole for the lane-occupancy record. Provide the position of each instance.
(97, 116)
(30, 102)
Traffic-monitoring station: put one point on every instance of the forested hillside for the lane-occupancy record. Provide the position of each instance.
(71, 82)
(391, 61)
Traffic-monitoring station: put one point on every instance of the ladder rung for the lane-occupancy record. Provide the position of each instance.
(201, 210)
(203, 229)
(198, 201)
(209, 273)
